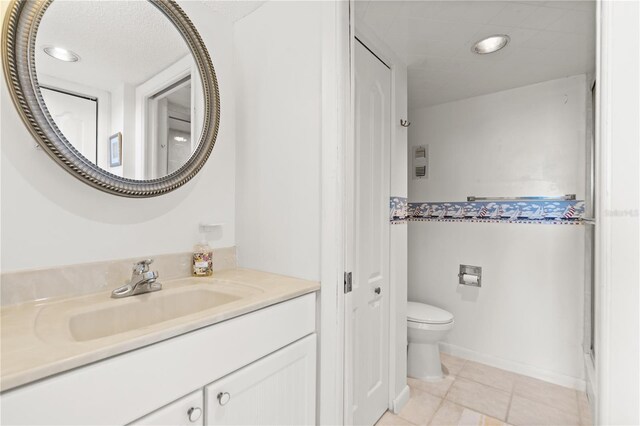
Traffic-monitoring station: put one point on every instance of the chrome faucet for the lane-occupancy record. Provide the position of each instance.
(142, 281)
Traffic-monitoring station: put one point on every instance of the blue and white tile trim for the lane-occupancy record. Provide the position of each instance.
(398, 210)
(538, 212)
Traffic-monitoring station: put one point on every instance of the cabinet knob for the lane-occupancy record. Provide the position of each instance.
(377, 290)
(223, 398)
(194, 413)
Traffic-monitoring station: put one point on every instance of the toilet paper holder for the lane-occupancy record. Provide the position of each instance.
(470, 275)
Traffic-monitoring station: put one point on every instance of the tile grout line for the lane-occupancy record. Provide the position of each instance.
(513, 389)
(455, 379)
(517, 379)
(433, 416)
(444, 396)
(492, 386)
(547, 406)
(457, 376)
(404, 418)
(486, 414)
(512, 392)
(579, 408)
(519, 376)
(484, 384)
(439, 404)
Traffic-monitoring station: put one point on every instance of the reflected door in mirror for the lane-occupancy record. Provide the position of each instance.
(76, 116)
(134, 76)
(170, 127)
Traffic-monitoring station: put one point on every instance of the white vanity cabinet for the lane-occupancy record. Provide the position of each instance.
(264, 359)
(276, 390)
(187, 411)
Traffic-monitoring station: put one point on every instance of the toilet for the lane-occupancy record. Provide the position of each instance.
(426, 326)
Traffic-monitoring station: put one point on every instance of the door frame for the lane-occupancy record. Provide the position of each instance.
(365, 36)
(337, 133)
(184, 67)
(336, 92)
(617, 223)
(399, 181)
(349, 242)
(338, 31)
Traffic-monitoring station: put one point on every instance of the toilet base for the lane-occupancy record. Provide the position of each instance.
(424, 361)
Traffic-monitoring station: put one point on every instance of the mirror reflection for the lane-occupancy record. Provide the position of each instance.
(121, 85)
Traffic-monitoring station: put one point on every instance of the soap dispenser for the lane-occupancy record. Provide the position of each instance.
(202, 259)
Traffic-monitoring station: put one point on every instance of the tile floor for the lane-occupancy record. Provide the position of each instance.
(476, 394)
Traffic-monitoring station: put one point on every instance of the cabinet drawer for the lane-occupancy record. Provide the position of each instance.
(278, 389)
(187, 411)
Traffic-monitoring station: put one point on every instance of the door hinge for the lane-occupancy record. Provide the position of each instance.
(347, 282)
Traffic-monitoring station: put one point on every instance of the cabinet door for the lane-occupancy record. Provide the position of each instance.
(186, 411)
(279, 389)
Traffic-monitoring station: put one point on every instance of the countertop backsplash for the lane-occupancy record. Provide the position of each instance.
(86, 278)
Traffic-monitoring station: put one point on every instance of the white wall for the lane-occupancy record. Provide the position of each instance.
(527, 141)
(398, 236)
(278, 71)
(618, 228)
(50, 218)
(123, 120)
(524, 141)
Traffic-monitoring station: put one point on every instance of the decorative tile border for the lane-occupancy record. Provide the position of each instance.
(398, 210)
(538, 212)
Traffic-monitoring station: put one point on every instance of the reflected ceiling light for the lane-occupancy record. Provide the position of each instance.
(490, 44)
(61, 54)
(179, 139)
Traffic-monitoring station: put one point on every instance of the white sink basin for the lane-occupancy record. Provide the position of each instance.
(89, 318)
(144, 310)
(46, 337)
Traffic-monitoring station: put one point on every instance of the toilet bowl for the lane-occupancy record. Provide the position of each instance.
(426, 327)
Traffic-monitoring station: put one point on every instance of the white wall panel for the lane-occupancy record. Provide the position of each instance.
(49, 218)
(278, 72)
(528, 141)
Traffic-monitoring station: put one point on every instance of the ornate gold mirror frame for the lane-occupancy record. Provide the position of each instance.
(18, 58)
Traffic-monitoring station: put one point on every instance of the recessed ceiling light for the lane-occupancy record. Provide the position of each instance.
(490, 44)
(61, 54)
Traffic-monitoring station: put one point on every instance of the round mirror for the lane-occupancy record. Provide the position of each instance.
(121, 93)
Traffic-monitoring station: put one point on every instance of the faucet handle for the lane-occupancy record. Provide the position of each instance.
(142, 266)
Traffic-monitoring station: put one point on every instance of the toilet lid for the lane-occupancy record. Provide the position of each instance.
(421, 312)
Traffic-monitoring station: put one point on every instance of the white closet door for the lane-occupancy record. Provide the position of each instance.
(77, 118)
(367, 322)
(279, 389)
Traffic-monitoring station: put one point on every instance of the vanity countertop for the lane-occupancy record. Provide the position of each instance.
(47, 337)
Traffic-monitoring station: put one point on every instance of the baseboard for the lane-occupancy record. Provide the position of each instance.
(515, 367)
(401, 399)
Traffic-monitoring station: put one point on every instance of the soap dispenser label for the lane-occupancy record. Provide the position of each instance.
(202, 264)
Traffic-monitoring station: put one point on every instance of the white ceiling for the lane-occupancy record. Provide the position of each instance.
(234, 10)
(118, 41)
(181, 97)
(549, 39)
